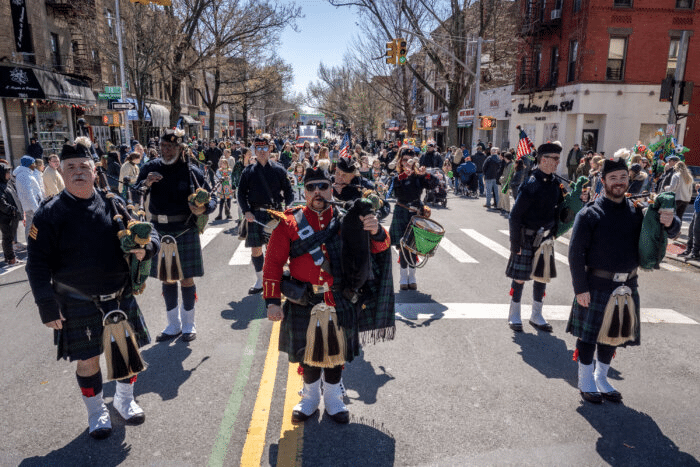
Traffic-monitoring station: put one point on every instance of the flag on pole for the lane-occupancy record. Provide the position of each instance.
(525, 146)
(345, 145)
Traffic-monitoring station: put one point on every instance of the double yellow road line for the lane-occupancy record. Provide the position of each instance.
(291, 441)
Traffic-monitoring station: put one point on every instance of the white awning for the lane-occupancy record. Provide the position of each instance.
(190, 121)
(160, 115)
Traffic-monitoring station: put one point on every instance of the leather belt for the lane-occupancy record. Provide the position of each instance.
(530, 232)
(163, 219)
(71, 292)
(613, 276)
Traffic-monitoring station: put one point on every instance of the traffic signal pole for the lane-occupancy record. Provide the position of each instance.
(122, 76)
(678, 78)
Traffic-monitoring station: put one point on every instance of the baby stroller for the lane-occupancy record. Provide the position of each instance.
(467, 180)
(438, 194)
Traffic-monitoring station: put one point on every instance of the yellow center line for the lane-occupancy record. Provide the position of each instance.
(255, 439)
(291, 444)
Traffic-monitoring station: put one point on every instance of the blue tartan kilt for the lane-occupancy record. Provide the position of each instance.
(399, 222)
(188, 248)
(585, 322)
(293, 333)
(81, 336)
(520, 266)
(255, 236)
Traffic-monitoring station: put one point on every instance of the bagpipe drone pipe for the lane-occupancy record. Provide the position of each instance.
(571, 204)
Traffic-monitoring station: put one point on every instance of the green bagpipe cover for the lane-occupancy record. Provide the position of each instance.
(573, 204)
(653, 238)
(200, 198)
(137, 235)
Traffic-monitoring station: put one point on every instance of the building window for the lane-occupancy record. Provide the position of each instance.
(523, 73)
(538, 66)
(110, 22)
(672, 57)
(573, 56)
(115, 74)
(554, 67)
(625, 3)
(577, 6)
(686, 4)
(616, 59)
(55, 51)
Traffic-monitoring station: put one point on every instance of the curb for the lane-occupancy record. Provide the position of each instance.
(676, 247)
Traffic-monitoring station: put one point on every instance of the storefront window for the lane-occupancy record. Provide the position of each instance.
(49, 124)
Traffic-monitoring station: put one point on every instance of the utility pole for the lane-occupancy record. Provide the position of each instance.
(477, 91)
(122, 76)
(678, 79)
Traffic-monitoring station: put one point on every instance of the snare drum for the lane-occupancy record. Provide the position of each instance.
(422, 236)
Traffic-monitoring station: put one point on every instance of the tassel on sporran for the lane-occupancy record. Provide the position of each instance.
(620, 318)
(169, 267)
(325, 340)
(120, 347)
(545, 269)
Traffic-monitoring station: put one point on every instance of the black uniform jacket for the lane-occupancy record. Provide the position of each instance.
(74, 241)
(252, 192)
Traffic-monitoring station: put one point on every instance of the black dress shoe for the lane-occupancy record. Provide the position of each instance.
(612, 396)
(684, 253)
(340, 417)
(403, 287)
(694, 257)
(413, 286)
(101, 433)
(546, 327)
(162, 337)
(189, 336)
(517, 327)
(254, 290)
(300, 417)
(593, 397)
(217, 218)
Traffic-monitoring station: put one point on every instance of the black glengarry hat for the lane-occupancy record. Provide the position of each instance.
(316, 174)
(549, 148)
(79, 151)
(347, 165)
(173, 136)
(612, 165)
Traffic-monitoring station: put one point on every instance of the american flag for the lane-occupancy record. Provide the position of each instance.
(345, 145)
(525, 146)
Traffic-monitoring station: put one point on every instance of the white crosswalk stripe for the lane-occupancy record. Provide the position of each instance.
(499, 311)
(241, 256)
(209, 235)
(456, 251)
(488, 243)
(558, 256)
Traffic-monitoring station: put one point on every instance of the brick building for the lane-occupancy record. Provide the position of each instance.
(590, 72)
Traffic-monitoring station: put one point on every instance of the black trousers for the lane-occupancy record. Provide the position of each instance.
(8, 235)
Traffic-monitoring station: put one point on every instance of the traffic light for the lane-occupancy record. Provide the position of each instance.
(391, 52)
(402, 47)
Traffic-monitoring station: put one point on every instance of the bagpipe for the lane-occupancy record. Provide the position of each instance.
(572, 202)
(653, 238)
(134, 231)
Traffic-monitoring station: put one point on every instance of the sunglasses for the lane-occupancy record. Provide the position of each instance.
(323, 186)
(261, 148)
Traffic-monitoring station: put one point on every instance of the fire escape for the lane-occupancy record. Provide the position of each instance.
(540, 18)
(78, 16)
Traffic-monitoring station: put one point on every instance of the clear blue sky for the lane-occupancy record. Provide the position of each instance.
(324, 35)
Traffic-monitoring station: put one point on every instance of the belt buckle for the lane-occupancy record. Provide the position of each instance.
(620, 277)
(104, 298)
(162, 219)
(319, 289)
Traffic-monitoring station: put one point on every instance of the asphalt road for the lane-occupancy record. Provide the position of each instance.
(455, 388)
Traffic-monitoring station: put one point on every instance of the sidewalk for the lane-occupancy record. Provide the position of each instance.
(678, 245)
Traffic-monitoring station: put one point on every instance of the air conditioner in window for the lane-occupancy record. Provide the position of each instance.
(556, 14)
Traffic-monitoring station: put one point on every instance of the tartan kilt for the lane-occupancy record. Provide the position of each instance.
(188, 248)
(585, 322)
(293, 333)
(399, 222)
(520, 266)
(73, 342)
(255, 236)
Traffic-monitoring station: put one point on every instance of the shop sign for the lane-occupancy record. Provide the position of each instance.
(445, 119)
(20, 82)
(23, 38)
(420, 122)
(428, 122)
(464, 118)
(564, 106)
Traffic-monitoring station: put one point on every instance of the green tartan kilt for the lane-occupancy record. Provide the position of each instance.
(520, 266)
(399, 222)
(255, 236)
(293, 333)
(585, 322)
(188, 248)
(81, 336)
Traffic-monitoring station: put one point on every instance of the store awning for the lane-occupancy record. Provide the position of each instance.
(33, 83)
(189, 120)
(160, 115)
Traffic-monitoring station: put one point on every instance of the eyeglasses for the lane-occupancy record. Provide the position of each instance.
(323, 186)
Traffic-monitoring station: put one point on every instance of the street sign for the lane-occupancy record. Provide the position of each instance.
(113, 90)
(123, 106)
(108, 96)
